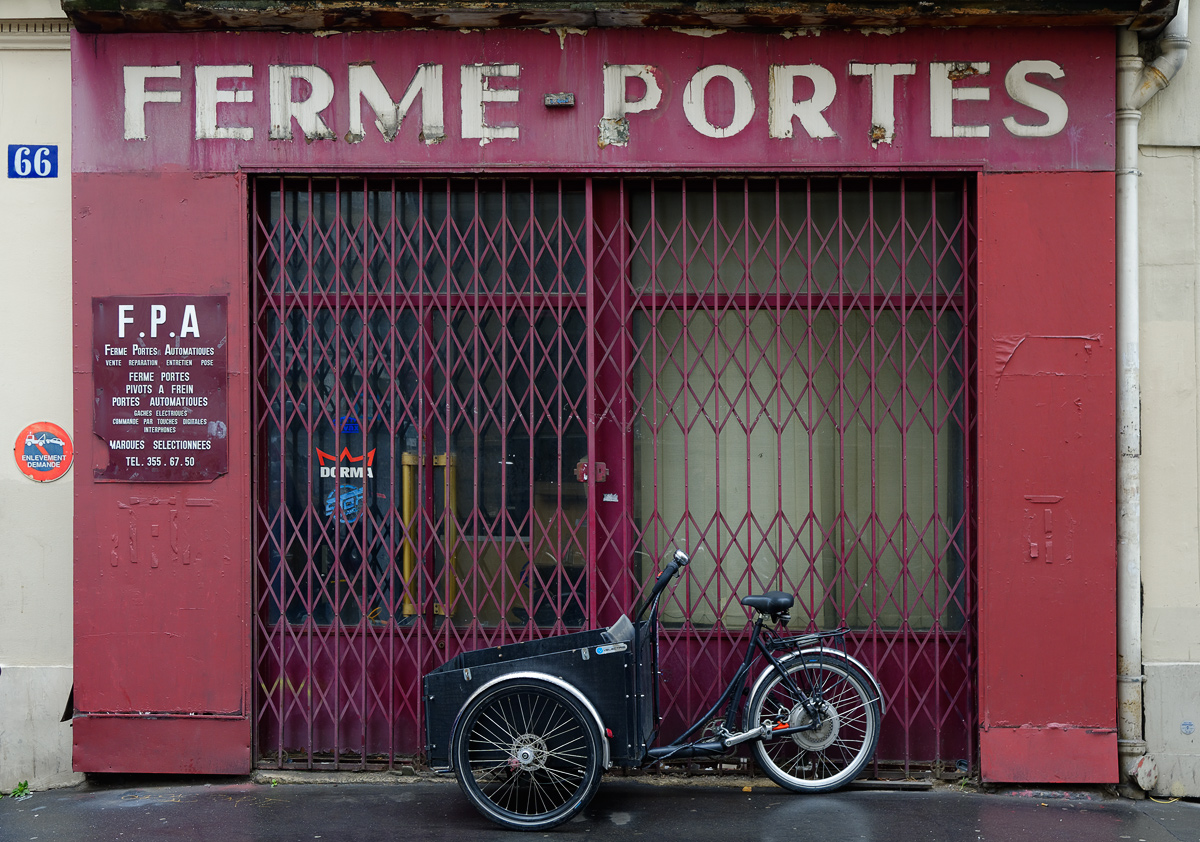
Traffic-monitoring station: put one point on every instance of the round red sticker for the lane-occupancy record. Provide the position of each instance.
(43, 451)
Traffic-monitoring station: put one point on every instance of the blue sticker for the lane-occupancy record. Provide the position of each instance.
(610, 648)
(347, 500)
(26, 160)
(350, 425)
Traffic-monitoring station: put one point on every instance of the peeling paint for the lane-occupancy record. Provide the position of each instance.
(788, 34)
(562, 32)
(1043, 355)
(614, 125)
(614, 131)
(698, 31)
(1050, 532)
(881, 30)
(1003, 349)
(960, 70)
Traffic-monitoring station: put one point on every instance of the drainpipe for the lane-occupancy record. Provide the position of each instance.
(1137, 83)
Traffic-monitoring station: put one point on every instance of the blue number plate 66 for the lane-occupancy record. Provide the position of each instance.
(26, 160)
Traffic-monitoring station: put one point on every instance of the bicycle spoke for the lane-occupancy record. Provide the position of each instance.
(528, 754)
(832, 724)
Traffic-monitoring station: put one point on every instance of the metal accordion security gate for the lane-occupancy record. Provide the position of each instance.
(487, 408)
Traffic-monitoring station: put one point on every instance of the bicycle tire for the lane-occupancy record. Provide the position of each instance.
(827, 757)
(527, 755)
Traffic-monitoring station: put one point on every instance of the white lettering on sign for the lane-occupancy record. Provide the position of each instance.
(616, 94)
(189, 326)
(477, 91)
(307, 111)
(943, 93)
(614, 127)
(346, 472)
(209, 93)
(883, 96)
(302, 95)
(136, 96)
(1017, 83)
(696, 112)
(123, 318)
(389, 114)
(784, 106)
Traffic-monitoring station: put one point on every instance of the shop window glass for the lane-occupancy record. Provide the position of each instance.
(801, 387)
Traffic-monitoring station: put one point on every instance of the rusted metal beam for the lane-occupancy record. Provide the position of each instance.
(99, 16)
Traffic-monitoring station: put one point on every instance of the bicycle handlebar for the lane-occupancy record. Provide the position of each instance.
(678, 561)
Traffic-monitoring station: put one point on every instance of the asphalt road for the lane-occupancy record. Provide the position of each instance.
(239, 810)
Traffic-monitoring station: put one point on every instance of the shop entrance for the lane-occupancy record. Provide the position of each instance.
(486, 409)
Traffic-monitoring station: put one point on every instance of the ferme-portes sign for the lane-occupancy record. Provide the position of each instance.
(999, 99)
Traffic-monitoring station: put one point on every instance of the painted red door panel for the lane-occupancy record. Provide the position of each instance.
(183, 745)
(161, 576)
(1047, 572)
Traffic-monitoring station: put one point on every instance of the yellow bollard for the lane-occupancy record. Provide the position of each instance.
(408, 481)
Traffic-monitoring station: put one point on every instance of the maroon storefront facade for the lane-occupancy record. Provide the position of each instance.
(484, 324)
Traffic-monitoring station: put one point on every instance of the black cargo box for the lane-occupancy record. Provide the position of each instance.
(613, 672)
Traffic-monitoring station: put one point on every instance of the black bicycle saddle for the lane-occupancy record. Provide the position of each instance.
(771, 602)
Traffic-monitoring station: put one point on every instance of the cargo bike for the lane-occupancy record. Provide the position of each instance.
(528, 729)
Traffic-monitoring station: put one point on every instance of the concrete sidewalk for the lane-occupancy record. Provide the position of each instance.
(697, 810)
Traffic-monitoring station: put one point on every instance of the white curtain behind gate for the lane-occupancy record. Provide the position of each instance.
(812, 449)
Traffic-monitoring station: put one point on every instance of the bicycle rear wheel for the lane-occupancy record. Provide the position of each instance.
(838, 706)
(527, 755)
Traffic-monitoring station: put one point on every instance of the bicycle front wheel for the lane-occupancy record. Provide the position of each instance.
(837, 707)
(527, 755)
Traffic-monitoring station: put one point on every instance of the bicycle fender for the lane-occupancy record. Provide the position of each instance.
(571, 689)
(833, 653)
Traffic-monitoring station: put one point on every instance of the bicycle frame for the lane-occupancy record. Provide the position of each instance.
(529, 728)
(762, 645)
